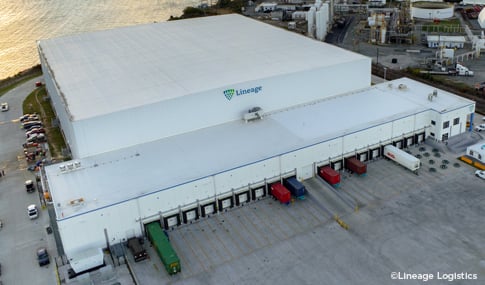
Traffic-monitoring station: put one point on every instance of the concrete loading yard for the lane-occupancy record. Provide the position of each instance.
(407, 223)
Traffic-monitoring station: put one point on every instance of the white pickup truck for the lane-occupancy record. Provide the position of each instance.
(480, 128)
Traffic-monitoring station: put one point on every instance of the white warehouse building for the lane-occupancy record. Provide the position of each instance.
(156, 117)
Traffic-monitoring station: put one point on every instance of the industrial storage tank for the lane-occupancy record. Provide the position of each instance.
(481, 19)
(432, 10)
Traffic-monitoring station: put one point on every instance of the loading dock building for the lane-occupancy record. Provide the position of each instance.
(176, 121)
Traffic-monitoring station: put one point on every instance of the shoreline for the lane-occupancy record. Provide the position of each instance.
(8, 81)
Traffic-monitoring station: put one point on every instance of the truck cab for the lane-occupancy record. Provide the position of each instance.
(463, 70)
(29, 186)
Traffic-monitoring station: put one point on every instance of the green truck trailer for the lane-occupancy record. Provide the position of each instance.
(163, 248)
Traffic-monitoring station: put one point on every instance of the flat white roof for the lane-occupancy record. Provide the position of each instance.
(113, 70)
(114, 177)
(478, 147)
(436, 38)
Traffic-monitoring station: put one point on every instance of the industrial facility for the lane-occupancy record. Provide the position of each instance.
(177, 121)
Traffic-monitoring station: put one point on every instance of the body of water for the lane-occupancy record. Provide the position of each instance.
(23, 22)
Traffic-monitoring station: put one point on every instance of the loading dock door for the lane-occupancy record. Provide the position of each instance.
(409, 141)
(258, 193)
(375, 153)
(362, 156)
(208, 209)
(419, 138)
(242, 198)
(190, 215)
(337, 165)
(398, 144)
(171, 221)
(225, 203)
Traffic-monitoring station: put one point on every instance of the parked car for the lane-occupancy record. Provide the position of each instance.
(4, 107)
(35, 131)
(480, 128)
(33, 127)
(29, 124)
(480, 174)
(480, 86)
(32, 211)
(43, 256)
(36, 138)
(30, 144)
(38, 84)
(29, 117)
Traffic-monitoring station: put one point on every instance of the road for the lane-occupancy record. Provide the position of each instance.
(20, 236)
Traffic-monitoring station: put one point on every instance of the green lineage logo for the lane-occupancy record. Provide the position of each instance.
(229, 93)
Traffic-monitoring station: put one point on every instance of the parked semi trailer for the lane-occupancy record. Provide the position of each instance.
(330, 175)
(280, 193)
(403, 158)
(356, 166)
(296, 188)
(164, 249)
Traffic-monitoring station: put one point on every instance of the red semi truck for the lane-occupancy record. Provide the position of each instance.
(280, 193)
(329, 175)
(355, 165)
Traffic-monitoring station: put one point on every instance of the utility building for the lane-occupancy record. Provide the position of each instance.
(177, 121)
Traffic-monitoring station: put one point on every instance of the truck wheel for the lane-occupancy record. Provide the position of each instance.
(466, 73)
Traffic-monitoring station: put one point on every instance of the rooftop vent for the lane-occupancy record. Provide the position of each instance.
(402, 86)
(431, 95)
(255, 113)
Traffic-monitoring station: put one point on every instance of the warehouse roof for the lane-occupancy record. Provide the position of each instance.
(108, 71)
(117, 176)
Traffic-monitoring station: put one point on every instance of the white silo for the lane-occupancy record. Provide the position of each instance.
(311, 22)
(383, 31)
(326, 19)
(322, 21)
(318, 21)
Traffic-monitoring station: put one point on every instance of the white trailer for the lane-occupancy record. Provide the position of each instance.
(403, 158)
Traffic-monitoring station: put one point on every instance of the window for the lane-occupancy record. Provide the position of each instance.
(480, 156)
(446, 124)
(456, 121)
(471, 152)
(431, 134)
(444, 137)
(433, 122)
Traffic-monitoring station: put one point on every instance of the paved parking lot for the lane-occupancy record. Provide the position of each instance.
(20, 236)
(431, 223)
